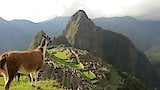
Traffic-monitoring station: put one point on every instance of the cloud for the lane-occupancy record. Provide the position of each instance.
(79, 4)
(147, 10)
(38, 10)
(110, 8)
(76, 5)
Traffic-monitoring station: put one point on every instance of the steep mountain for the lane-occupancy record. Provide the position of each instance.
(90, 72)
(153, 53)
(144, 34)
(36, 40)
(112, 47)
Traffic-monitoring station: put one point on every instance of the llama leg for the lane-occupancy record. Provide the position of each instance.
(9, 80)
(5, 74)
(6, 77)
(31, 75)
(18, 75)
(29, 78)
(34, 78)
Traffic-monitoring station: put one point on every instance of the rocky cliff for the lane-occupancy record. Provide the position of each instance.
(36, 40)
(112, 47)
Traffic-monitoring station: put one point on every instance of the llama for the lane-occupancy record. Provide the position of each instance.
(26, 62)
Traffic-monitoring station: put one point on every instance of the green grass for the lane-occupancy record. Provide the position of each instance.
(24, 84)
(61, 55)
(89, 74)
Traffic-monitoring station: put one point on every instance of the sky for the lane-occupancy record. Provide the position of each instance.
(40, 10)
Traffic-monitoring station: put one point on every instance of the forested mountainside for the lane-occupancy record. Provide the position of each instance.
(112, 47)
(74, 68)
(144, 34)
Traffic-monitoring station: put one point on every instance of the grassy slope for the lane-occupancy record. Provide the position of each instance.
(24, 84)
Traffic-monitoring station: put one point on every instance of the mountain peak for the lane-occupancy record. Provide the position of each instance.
(78, 24)
(82, 33)
(36, 40)
(80, 14)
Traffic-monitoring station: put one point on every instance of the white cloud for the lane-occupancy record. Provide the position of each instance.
(38, 10)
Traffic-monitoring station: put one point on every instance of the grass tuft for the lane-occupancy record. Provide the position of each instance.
(25, 84)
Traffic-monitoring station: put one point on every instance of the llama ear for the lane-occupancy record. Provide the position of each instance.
(46, 37)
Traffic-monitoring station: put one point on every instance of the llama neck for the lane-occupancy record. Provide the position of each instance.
(43, 46)
(44, 49)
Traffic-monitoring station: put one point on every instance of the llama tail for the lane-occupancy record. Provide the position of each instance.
(3, 60)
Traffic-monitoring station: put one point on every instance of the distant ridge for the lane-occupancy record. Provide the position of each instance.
(144, 34)
(17, 34)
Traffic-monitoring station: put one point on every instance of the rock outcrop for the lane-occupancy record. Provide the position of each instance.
(36, 40)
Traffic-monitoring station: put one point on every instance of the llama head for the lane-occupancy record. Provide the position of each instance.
(44, 42)
(46, 37)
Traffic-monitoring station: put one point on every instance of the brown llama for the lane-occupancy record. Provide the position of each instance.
(26, 62)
